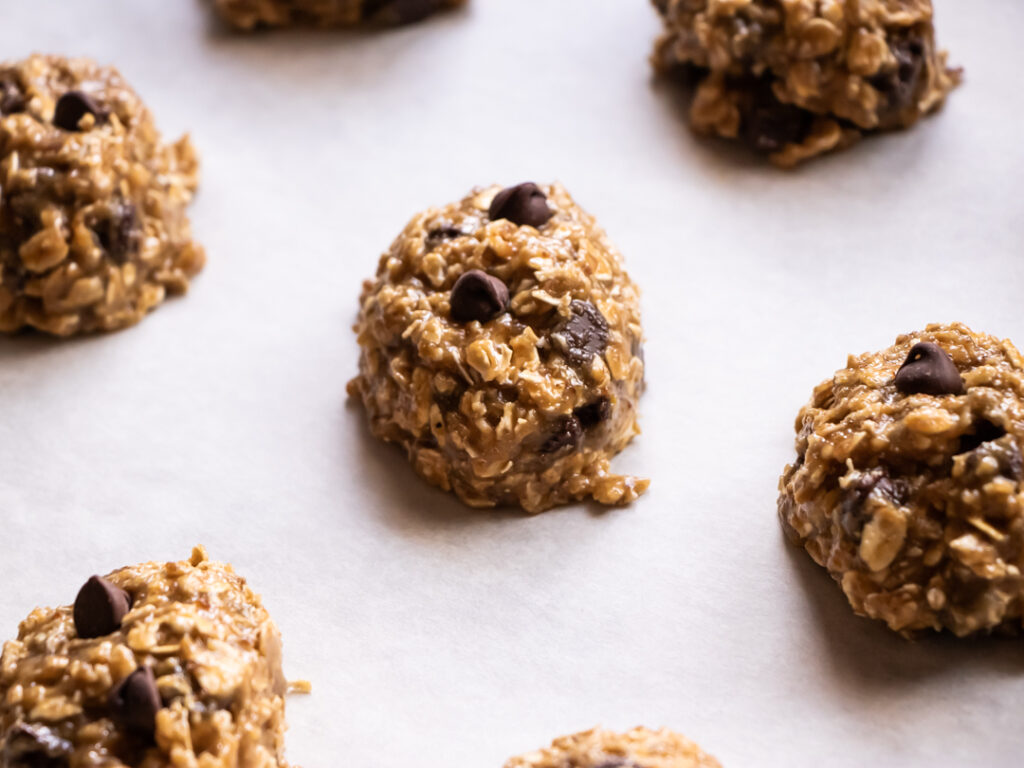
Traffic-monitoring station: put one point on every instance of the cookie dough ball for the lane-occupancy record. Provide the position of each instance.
(93, 232)
(252, 14)
(799, 78)
(501, 347)
(640, 748)
(157, 664)
(907, 483)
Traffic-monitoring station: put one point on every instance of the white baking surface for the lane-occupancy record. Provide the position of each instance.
(439, 636)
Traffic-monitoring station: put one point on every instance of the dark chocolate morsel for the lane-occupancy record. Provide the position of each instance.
(478, 296)
(35, 746)
(120, 234)
(852, 512)
(99, 608)
(929, 370)
(136, 701)
(524, 204)
(583, 335)
(567, 434)
(72, 107)
(11, 98)
(900, 85)
(769, 125)
(592, 414)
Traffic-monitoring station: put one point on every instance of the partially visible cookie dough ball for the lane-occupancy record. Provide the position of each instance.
(93, 231)
(252, 14)
(640, 748)
(157, 664)
(907, 483)
(501, 347)
(799, 78)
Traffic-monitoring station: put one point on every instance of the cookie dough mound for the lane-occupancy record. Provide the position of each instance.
(501, 346)
(907, 484)
(640, 748)
(253, 14)
(798, 78)
(157, 664)
(93, 232)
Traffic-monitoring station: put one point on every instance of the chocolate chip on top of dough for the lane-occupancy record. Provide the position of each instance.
(72, 107)
(478, 296)
(136, 700)
(517, 382)
(524, 204)
(99, 608)
(190, 676)
(929, 370)
(907, 485)
(583, 335)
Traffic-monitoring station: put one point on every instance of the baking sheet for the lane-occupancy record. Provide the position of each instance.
(439, 636)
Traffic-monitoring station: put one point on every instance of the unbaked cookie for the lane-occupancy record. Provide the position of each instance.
(252, 14)
(158, 664)
(501, 347)
(907, 484)
(799, 78)
(640, 748)
(93, 231)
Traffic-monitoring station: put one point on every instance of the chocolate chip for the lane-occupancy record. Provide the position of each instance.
(439, 235)
(508, 394)
(99, 608)
(120, 233)
(982, 431)
(852, 508)
(400, 11)
(524, 204)
(136, 701)
(567, 434)
(618, 762)
(72, 107)
(12, 100)
(583, 335)
(769, 125)
(929, 370)
(592, 414)
(478, 296)
(899, 85)
(35, 746)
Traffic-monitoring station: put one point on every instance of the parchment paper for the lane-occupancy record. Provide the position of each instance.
(439, 636)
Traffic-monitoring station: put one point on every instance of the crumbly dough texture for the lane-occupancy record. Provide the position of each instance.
(798, 78)
(914, 502)
(214, 651)
(254, 14)
(639, 748)
(489, 410)
(93, 231)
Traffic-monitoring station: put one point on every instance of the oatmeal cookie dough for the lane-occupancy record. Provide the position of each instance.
(640, 748)
(155, 665)
(907, 483)
(93, 232)
(798, 78)
(253, 14)
(501, 347)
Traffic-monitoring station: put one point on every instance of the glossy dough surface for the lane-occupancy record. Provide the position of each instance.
(526, 408)
(215, 655)
(93, 231)
(913, 502)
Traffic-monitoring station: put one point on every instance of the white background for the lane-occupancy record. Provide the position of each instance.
(439, 636)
